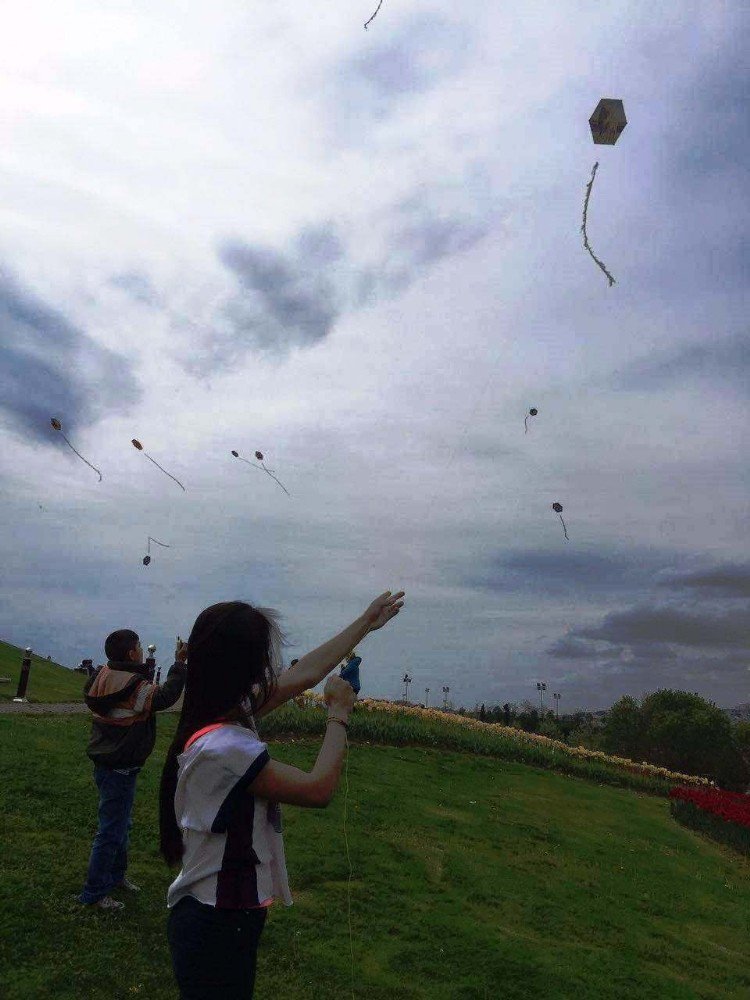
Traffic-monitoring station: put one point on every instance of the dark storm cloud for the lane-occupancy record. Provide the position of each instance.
(725, 359)
(49, 367)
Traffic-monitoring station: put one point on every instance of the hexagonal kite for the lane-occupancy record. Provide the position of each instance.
(607, 122)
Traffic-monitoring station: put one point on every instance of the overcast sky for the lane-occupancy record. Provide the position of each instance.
(259, 226)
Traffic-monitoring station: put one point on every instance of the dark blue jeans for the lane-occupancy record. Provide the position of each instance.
(214, 952)
(109, 855)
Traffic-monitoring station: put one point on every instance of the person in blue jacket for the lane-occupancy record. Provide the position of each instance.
(123, 733)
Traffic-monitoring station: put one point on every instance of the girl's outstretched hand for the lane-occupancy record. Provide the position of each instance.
(383, 608)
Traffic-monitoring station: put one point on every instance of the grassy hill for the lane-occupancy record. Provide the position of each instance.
(473, 878)
(49, 682)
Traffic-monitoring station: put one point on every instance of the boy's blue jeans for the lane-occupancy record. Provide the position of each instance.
(109, 855)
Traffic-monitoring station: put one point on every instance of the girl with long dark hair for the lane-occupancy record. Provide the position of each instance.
(220, 792)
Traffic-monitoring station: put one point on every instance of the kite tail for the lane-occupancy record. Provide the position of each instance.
(83, 459)
(526, 425)
(253, 464)
(165, 472)
(150, 539)
(276, 480)
(564, 528)
(351, 870)
(583, 227)
(374, 15)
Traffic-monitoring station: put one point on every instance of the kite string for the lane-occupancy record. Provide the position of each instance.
(82, 458)
(583, 227)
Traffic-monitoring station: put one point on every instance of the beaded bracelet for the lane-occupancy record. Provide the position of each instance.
(340, 721)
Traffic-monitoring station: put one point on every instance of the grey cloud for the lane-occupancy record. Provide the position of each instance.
(293, 298)
(431, 225)
(138, 286)
(412, 249)
(645, 624)
(48, 367)
(725, 359)
(285, 302)
(714, 132)
(568, 648)
(551, 572)
(371, 84)
(730, 580)
(320, 245)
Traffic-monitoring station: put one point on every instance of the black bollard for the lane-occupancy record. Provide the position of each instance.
(24, 679)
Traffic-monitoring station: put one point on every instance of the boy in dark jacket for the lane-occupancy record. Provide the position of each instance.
(123, 733)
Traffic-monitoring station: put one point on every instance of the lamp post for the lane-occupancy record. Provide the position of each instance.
(540, 688)
(445, 696)
(407, 682)
(426, 697)
(151, 662)
(557, 699)
(23, 681)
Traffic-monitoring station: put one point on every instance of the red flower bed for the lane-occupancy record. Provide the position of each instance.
(730, 806)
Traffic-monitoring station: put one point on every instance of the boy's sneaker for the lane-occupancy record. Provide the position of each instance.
(107, 903)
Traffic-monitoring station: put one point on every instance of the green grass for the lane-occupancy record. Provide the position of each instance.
(548, 886)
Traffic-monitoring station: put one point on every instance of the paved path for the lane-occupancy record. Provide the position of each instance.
(57, 708)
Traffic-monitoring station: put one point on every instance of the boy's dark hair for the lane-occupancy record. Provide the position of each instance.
(234, 649)
(119, 644)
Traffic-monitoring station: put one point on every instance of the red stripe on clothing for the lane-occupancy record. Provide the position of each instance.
(202, 732)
